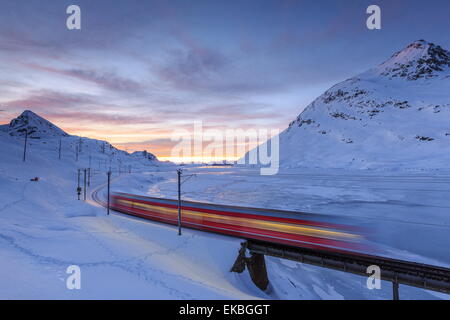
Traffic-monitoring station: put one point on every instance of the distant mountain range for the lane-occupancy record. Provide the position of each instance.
(39, 128)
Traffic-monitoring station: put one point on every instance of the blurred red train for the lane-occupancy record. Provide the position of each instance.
(284, 227)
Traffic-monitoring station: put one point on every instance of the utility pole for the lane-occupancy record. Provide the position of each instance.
(109, 183)
(25, 145)
(79, 188)
(59, 150)
(179, 172)
(179, 201)
(89, 172)
(76, 152)
(84, 183)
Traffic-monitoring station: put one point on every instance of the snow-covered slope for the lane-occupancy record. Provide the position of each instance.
(396, 115)
(44, 229)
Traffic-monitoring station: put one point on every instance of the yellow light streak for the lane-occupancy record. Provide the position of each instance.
(245, 222)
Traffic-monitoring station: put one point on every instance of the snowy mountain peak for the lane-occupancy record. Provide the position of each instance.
(36, 126)
(420, 59)
(371, 121)
(40, 128)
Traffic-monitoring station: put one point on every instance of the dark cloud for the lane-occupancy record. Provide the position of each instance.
(108, 80)
(81, 108)
(49, 100)
(210, 71)
(193, 68)
(197, 68)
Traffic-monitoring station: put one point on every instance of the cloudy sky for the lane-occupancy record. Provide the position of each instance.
(137, 70)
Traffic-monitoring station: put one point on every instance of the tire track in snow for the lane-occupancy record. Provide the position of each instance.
(16, 201)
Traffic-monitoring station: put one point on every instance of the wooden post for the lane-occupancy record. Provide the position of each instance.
(59, 149)
(109, 182)
(179, 201)
(25, 145)
(84, 184)
(78, 187)
(89, 171)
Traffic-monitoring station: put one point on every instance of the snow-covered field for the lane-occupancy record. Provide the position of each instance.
(407, 212)
(44, 229)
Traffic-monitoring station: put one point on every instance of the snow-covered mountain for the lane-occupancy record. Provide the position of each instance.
(36, 126)
(44, 135)
(144, 154)
(396, 115)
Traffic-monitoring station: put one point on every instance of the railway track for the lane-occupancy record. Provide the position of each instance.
(95, 196)
(396, 271)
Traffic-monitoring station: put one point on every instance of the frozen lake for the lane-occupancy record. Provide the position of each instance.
(409, 213)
